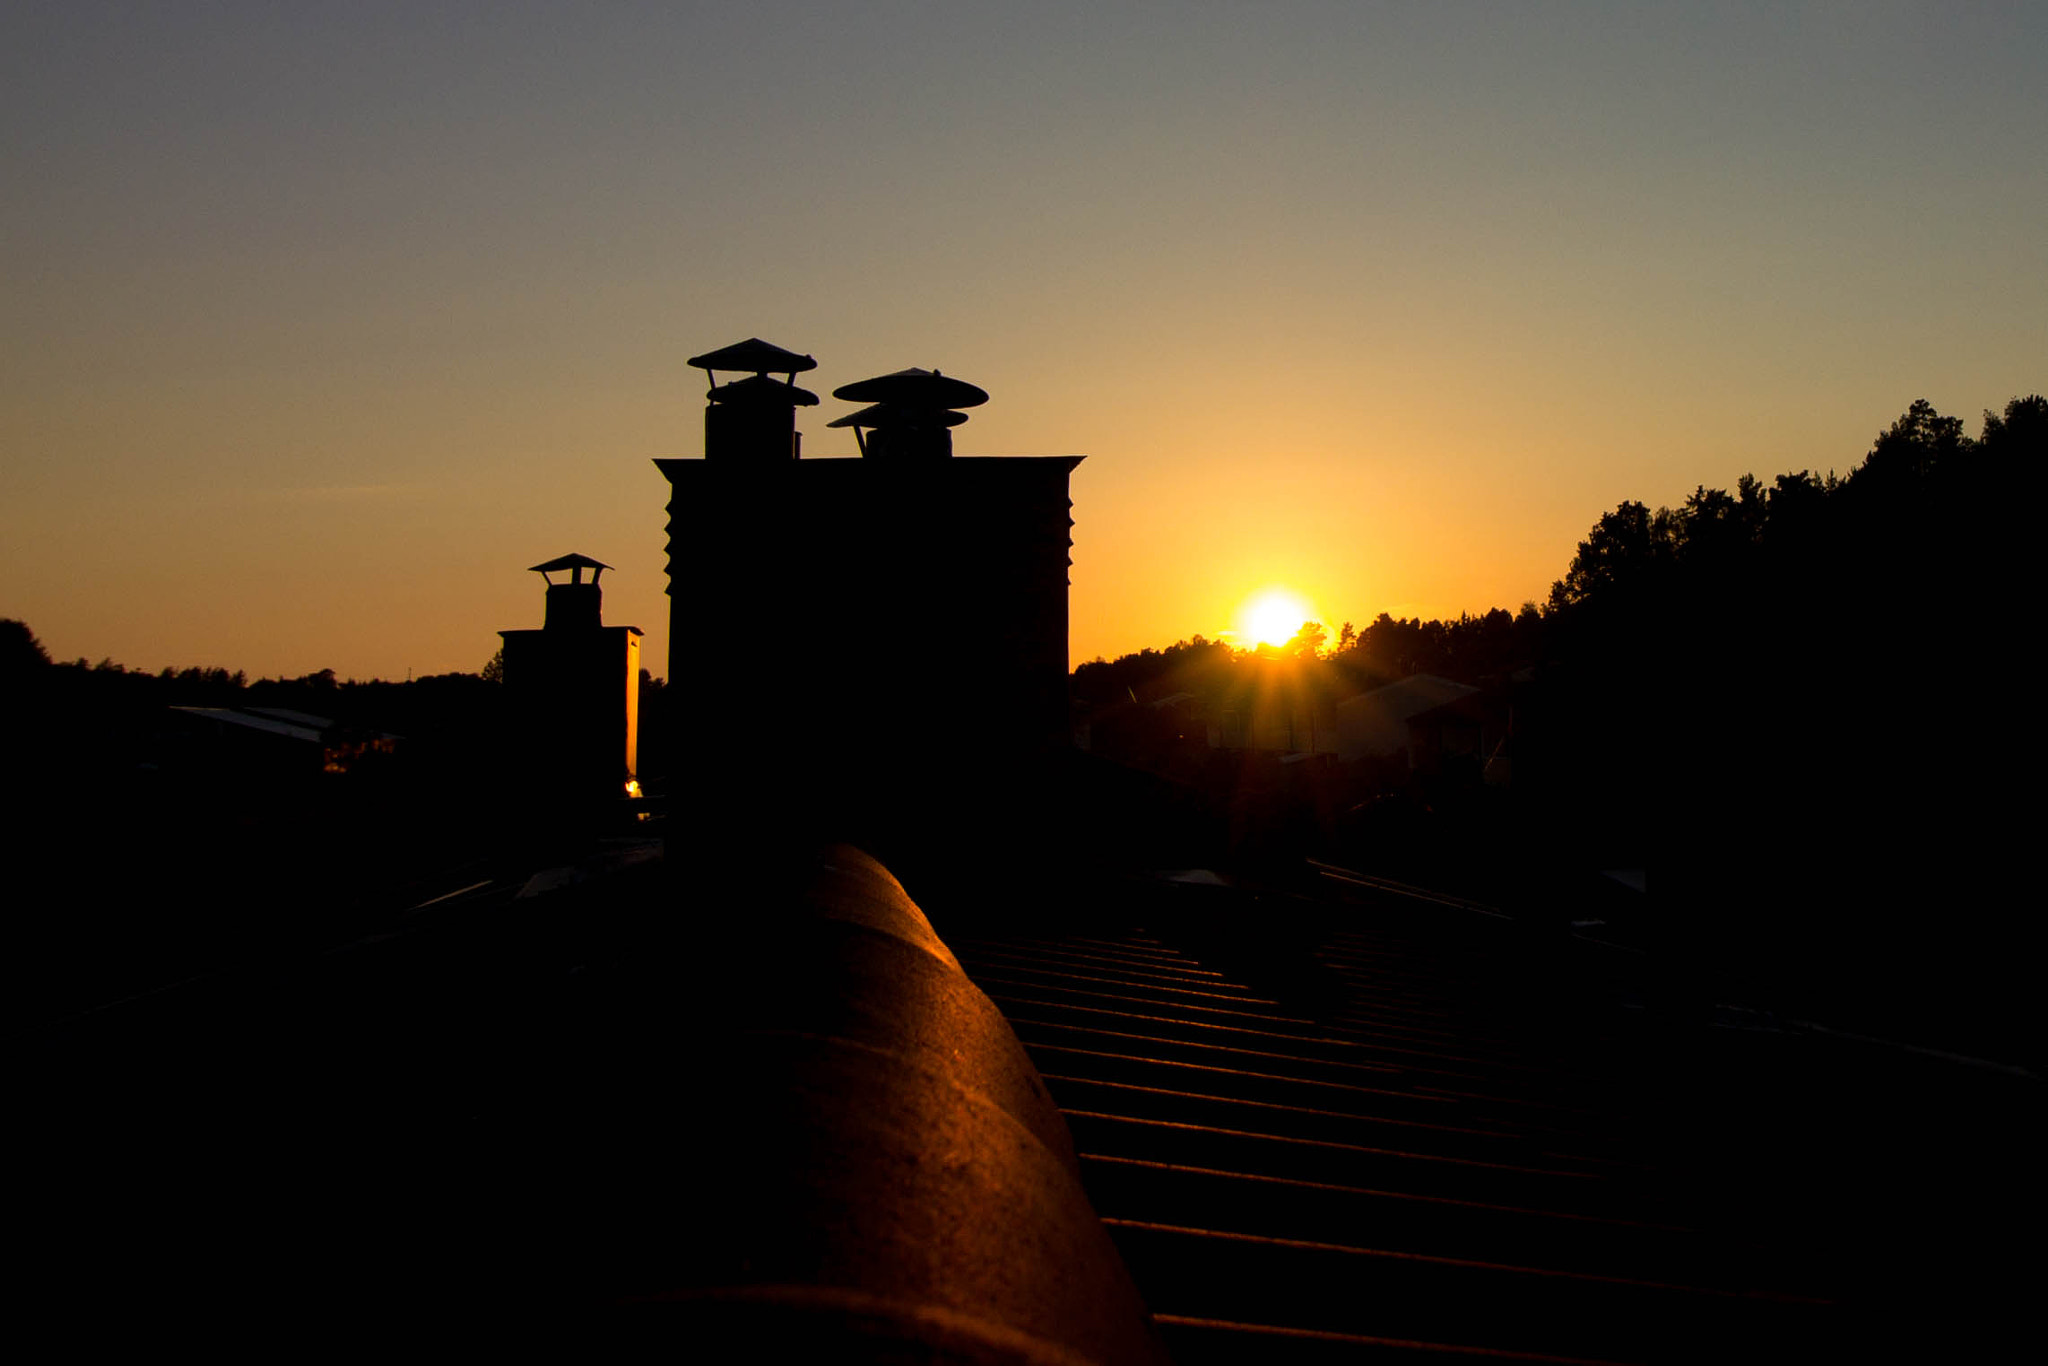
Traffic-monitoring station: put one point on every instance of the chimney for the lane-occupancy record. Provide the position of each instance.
(573, 605)
(753, 420)
(927, 696)
(574, 689)
(909, 418)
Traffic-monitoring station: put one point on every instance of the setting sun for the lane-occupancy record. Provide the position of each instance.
(1271, 618)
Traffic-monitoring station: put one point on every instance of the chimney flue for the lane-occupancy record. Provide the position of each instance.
(754, 419)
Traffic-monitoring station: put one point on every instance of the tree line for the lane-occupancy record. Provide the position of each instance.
(1923, 509)
(1792, 702)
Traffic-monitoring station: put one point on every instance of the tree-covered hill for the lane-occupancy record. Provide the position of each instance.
(1799, 705)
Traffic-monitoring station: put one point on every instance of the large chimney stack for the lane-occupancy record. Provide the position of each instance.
(872, 648)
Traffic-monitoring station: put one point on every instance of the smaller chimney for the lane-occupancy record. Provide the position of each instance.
(573, 605)
(754, 419)
(574, 690)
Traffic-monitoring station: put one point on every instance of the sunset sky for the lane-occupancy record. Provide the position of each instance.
(319, 323)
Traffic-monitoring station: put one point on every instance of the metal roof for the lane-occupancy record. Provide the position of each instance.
(296, 718)
(270, 725)
(1388, 1125)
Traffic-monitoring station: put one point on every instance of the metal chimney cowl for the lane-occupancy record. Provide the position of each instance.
(753, 420)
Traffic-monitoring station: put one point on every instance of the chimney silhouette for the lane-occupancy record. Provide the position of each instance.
(868, 646)
(574, 604)
(574, 689)
(909, 416)
(754, 420)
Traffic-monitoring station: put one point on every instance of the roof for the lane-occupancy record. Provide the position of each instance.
(296, 718)
(1377, 722)
(267, 724)
(1356, 1116)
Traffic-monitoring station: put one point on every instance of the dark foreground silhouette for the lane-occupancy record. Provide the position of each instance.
(331, 1039)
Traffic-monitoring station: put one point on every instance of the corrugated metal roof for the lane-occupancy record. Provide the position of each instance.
(1395, 1129)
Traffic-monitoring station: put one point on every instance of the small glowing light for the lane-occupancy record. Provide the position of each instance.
(632, 787)
(1271, 618)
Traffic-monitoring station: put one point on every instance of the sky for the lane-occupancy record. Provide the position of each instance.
(320, 323)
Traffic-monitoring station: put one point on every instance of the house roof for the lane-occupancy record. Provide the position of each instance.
(296, 718)
(1377, 722)
(271, 725)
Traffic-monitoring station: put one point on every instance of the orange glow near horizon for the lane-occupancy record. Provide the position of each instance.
(1381, 307)
(1270, 617)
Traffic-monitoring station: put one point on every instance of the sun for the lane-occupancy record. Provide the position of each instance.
(1271, 617)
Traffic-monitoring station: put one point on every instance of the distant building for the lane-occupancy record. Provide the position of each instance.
(1151, 734)
(573, 689)
(1374, 725)
(256, 743)
(1433, 723)
(1469, 735)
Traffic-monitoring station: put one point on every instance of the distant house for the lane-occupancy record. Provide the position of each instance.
(266, 742)
(1275, 727)
(1144, 733)
(1434, 722)
(1283, 712)
(1374, 725)
(1469, 733)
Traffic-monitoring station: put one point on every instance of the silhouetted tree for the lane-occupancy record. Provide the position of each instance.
(1621, 555)
(21, 654)
(2022, 430)
(1914, 445)
(1307, 642)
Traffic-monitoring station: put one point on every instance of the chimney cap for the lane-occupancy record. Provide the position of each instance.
(913, 388)
(756, 355)
(899, 415)
(766, 392)
(569, 561)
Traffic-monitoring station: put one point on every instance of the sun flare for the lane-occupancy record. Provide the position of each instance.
(1271, 618)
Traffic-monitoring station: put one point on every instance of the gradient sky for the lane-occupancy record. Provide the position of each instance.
(318, 323)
